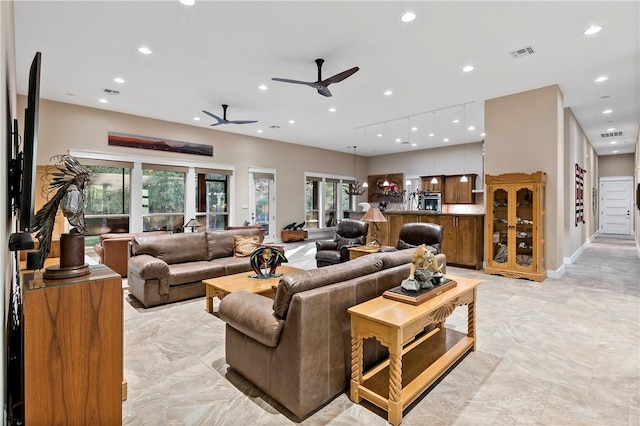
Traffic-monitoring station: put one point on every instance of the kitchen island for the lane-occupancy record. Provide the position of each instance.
(463, 234)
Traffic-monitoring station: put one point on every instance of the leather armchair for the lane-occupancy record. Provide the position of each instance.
(415, 234)
(350, 233)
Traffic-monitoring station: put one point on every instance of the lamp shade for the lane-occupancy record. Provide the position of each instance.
(192, 224)
(374, 215)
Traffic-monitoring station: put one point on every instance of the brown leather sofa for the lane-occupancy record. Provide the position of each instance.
(349, 233)
(297, 347)
(113, 249)
(168, 268)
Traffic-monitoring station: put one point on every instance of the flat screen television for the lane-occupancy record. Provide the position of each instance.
(25, 163)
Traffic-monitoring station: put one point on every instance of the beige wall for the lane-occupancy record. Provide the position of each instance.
(65, 127)
(525, 133)
(636, 183)
(617, 165)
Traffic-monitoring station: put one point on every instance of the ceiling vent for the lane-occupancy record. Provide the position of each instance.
(111, 92)
(525, 51)
(611, 135)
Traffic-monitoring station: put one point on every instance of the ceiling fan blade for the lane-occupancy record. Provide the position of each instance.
(339, 77)
(242, 121)
(286, 80)
(218, 119)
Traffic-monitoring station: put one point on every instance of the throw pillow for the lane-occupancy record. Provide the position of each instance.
(244, 245)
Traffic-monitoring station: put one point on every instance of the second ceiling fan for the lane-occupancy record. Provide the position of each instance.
(322, 86)
(224, 120)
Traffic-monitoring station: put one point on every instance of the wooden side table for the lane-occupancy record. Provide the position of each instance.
(416, 359)
(358, 251)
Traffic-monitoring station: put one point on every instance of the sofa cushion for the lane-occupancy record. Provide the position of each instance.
(220, 243)
(233, 265)
(182, 273)
(306, 280)
(244, 245)
(172, 248)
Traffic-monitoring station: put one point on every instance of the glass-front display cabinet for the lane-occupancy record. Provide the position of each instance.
(515, 225)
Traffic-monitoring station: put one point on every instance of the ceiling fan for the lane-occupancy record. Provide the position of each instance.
(224, 120)
(322, 86)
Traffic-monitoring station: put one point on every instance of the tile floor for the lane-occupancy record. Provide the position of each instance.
(560, 352)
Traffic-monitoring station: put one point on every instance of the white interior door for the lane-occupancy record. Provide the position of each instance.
(615, 205)
(263, 200)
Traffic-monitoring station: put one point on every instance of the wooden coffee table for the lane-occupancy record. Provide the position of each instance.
(222, 286)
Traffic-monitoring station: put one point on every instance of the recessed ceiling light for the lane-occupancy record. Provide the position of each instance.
(607, 111)
(144, 50)
(292, 122)
(611, 129)
(592, 30)
(414, 129)
(103, 101)
(188, 2)
(431, 135)
(602, 78)
(119, 80)
(263, 87)
(196, 118)
(332, 109)
(467, 68)
(615, 152)
(471, 128)
(379, 135)
(398, 140)
(259, 130)
(388, 93)
(482, 134)
(414, 144)
(613, 142)
(408, 17)
(445, 140)
(455, 120)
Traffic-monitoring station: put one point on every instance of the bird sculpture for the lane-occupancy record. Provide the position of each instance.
(265, 260)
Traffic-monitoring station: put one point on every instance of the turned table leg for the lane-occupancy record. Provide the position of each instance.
(395, 378)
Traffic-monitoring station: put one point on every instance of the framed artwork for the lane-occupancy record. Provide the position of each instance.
(580, 172)
(144, 142)
(393, 193)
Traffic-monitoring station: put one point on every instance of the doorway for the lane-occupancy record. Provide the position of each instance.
(262, 200)
(616, 195)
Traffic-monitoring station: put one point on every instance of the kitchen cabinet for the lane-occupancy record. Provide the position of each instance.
(515, 225)
(462, 240)
(456, 192)
(433, 187)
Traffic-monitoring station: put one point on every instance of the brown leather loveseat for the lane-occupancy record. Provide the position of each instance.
(168, 268)
(297, 347)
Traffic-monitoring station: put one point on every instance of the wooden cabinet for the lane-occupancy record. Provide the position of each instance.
(463, 235)
(456, 192)
(515, 225)
(433, 187)
(73, 348)
(462, 240)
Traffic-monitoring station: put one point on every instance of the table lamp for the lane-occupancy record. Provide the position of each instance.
(193, 224)
(374, 215)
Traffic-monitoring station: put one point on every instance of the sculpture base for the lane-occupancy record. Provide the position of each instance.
(417, 297)
(57, 272)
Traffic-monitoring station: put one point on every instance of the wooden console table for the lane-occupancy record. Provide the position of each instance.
(73, 348)
(416, 358)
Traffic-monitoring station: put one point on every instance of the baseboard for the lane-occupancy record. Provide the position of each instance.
(558, 273)
(570, 260)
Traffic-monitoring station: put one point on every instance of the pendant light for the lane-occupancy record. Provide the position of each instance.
(464, 178)
(354, 188)
(434, 180)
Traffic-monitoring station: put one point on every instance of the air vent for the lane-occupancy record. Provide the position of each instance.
(111, 92)
(274, 127)
(611, 135)
(525, 51)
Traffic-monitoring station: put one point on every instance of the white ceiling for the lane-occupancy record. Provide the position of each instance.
(217, 52)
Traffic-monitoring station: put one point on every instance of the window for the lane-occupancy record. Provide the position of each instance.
(163, 193)
(107, 200)
(212, 193)
(326, 199)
